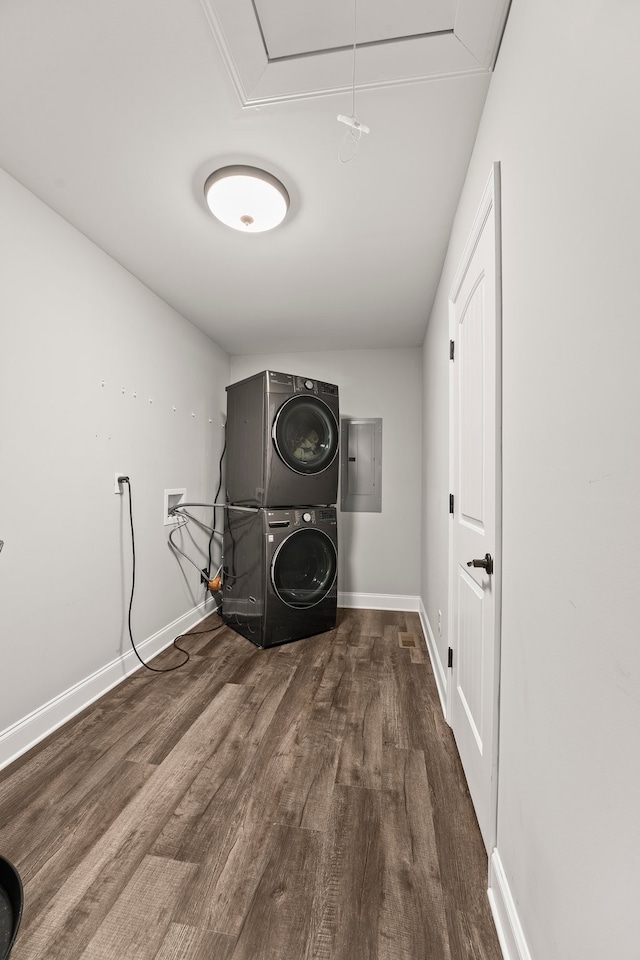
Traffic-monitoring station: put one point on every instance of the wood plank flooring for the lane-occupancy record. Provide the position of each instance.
(299, 803)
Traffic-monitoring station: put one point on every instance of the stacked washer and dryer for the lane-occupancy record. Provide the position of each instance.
(280, 537)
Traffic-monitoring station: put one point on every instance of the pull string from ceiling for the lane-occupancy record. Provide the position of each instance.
(349, 146)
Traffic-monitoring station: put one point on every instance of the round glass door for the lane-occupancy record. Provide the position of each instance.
(305, 433)
(304, 568)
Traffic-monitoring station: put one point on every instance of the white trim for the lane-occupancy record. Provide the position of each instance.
(30, 730)
(378, 601)
(439, 671)
(505, 915)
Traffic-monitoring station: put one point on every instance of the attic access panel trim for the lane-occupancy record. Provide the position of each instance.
(470, 48)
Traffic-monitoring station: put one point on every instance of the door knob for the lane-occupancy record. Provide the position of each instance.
(486, 563)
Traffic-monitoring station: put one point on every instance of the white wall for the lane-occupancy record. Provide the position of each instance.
(71, 319)
(379, 552)
(561, 116)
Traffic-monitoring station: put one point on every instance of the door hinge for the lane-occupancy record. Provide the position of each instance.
(451, 503)
(452, 349)
(450, 658)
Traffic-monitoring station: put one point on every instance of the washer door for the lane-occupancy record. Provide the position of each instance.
(305, 433)
(304, 568)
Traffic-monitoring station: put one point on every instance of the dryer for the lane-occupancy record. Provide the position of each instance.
(280, 573)
(282, 441)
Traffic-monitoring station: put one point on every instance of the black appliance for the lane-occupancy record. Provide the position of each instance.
(11, 904)
(280, 573)
(282, 441)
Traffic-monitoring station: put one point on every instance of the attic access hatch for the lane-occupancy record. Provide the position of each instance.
(329, 25)
(274, 53)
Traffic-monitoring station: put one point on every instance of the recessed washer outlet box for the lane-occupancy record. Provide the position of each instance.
(173, 498)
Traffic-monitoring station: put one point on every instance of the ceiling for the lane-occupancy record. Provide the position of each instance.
(115, 113)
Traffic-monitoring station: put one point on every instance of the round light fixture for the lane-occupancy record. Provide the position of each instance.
(246, 198)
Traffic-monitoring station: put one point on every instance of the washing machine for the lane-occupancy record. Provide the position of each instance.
(282, 441)
(280, 573)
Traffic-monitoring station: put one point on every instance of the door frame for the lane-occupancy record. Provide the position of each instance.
(489, 206)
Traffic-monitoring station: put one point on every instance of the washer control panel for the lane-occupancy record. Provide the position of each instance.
(305, 385)
(305, 518)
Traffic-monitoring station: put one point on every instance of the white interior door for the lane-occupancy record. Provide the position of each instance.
(474, 590)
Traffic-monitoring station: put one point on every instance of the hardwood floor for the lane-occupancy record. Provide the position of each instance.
(300, 803)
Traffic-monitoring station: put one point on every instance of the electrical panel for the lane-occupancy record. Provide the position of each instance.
(361, 465)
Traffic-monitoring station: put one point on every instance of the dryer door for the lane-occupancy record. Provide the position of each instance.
(305, 434)
(304, 568)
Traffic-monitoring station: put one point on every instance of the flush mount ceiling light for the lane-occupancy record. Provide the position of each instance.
(246, 198)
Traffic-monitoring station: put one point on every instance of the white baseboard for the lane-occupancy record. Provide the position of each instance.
(25, 733)
(378, 601)
(439, 671)
(505, 916)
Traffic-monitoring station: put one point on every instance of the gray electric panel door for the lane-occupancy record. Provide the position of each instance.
(361, 465)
